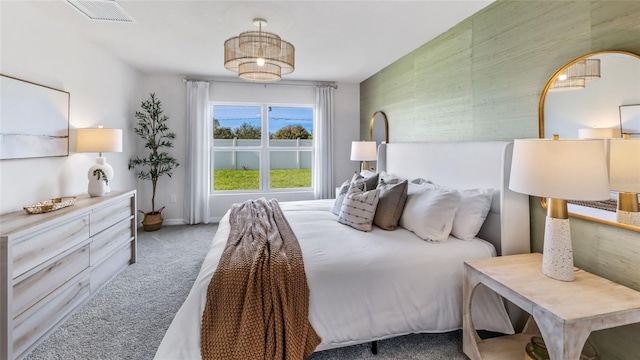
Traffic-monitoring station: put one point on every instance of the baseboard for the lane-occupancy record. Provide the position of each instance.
(169, 222)
(173, 222)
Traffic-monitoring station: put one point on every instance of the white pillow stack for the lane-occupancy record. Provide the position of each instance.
(472, 212)
(429, 208)
(429, 211)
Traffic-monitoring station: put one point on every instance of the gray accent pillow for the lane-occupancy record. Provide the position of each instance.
(359, 208)
(370, 183)
(391, 203)
(344, 188)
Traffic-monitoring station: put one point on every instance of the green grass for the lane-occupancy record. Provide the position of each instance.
(250, 179)
(236, 180)
(287, 179)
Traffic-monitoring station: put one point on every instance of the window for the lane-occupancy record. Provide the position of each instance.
(262, 147)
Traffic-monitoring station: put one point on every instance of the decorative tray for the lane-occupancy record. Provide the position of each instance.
(49, 205)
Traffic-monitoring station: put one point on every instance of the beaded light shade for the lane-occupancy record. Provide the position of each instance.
(577, 75)
(259, 56)
(567, 84)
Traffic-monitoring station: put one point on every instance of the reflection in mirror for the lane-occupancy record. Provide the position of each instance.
(379, 128)
(592, 109)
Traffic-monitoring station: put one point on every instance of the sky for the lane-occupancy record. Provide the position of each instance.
(233, 116)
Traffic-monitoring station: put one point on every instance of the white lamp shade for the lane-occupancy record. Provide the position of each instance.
(560, 169)
(363, 151)
(624, 165)
(599, 133)
(99, 140)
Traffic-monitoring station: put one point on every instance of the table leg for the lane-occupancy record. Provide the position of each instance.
(470, 337)
(563, 341)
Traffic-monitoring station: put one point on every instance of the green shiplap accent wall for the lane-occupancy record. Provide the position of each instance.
(482, 79)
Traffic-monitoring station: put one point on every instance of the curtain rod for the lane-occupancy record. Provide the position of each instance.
(279, 83)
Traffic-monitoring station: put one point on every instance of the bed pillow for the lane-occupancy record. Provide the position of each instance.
(391, 203)
(472, 211)
(424, 182)
(388, 178)
(359, 208)
(474, 207)
(367, 173)
(429, 211)
(344, 188)
(370, 182)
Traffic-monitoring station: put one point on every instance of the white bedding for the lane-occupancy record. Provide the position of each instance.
(364, 286)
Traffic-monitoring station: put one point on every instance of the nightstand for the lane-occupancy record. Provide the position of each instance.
(564, 313)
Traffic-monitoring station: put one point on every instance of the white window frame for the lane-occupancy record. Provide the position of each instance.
(263, 150)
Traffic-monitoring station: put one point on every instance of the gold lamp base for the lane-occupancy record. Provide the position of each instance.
(366, 166)
(628, 202)
(628, 210)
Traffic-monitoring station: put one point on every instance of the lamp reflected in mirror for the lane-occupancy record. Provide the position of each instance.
(594, 111)
(624, 177)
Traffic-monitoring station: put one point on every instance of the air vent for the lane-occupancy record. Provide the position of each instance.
(103, 10)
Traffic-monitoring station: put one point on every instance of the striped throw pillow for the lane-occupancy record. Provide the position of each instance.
(359, 208)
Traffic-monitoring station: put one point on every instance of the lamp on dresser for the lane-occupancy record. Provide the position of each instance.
(363, 151)
(624, 177)
(99, 140)
(556, 169)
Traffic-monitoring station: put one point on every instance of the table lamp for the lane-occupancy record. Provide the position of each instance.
(599, 133)
(99, 140)
(624, 177)
(363, 151)
(559, 170)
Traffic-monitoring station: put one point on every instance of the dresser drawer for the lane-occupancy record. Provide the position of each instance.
(37, 248)
(107, 216)
(105, 243)
(38, 285)
(106, 270)
(46, 314)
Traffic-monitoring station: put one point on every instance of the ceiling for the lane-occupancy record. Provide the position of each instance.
(342, 41)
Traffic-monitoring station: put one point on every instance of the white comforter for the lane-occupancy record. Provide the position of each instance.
(364, 286)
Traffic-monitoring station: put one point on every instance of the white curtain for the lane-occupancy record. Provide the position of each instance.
(197, 172)
(323, 138)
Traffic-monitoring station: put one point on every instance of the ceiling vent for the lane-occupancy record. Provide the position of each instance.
(103, 10)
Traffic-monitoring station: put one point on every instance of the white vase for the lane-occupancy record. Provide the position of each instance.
(101, 163)
(96, 187)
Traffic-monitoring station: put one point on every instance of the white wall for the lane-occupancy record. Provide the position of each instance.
(104, 91)
(172, 92)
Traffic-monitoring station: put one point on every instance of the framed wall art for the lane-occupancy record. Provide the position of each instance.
(630, 119)
(34, 120)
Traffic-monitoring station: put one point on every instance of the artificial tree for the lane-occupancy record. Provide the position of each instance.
(152, 128)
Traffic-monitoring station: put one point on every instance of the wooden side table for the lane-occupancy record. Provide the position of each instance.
(565, 312)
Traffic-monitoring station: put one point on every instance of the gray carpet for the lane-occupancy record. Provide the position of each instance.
(129, 316)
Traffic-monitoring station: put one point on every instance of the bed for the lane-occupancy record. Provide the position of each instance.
(367, 286)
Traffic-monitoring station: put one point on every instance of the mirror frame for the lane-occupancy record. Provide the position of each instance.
(543, 97)
(386, 126)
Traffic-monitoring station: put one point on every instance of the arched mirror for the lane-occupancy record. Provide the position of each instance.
(379, 128)
(588, 98)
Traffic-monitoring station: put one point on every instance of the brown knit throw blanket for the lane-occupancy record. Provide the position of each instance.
(258, 299)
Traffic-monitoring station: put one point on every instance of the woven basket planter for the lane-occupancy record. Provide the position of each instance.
(152, 220)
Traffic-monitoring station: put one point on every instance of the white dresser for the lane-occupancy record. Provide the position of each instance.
(52, 263)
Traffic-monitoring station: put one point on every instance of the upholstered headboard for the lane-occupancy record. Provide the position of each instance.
(468, 165)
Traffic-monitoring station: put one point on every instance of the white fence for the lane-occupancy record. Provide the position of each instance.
(249, 159)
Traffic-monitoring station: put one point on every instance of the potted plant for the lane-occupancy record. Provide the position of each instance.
(153, 130)
(98, 182)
